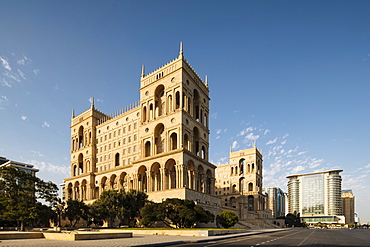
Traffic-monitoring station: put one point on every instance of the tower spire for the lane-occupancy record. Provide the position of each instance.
(181, 50)
(73, 113)
(206, 80)
(92, 103)
(142, 71)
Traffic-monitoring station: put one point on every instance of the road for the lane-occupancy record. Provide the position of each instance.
(297, 237)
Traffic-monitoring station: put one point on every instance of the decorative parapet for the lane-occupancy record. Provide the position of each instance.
(119, 112)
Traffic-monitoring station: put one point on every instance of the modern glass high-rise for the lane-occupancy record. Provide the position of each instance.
(316, 196)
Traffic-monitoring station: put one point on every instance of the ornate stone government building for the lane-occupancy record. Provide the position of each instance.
(159, 145)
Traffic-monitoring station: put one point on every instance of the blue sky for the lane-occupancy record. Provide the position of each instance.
(291, 75)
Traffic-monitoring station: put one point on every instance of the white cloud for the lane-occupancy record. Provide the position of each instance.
(37, 153)
(5, 63)
(367, 166)
(23, 61)
(218, 131)
(235, 145)
(251, 137)
(214, 115)
(36, 71)
(282, 143)
(11, 75)
(3, 98)
(271, 141)
(221, 161)
(243, 132)
(218, 137)
(24, 117)
(45, 124)
(6, 83)
(297, 169)
(300, 153)
(266, 131)
(285, 136)
(21, 74)
(43, 166)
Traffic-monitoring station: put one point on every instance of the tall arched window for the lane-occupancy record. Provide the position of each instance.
(144, 114)
(117, 159)
(173, 138)
(80, 136)
(147, 149)
(250, 187)
(177, 100)
(159, 100)
(159, 138)
(186, 142)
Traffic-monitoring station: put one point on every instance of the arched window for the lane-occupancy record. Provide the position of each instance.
(250, 203)
(144, 114)
(177, 100)
(117, 159)
(147, 149)
(241, 166)
(169, 103)
(203, 154)
(241, 185)
(173, 138)
(159, 101)
(196, 105)
(159, 138)
(186, 142)
(80, 136)
(151, 112)
(80, 164)
(232, 170)
(196, 140)
(250, 187)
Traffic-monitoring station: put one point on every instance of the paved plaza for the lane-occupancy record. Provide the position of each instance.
(136, 240)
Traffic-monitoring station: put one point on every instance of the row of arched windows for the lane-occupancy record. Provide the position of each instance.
(155, 177)
(165, 104)
(83, 139)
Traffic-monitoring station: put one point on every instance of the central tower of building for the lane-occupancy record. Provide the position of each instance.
(158, 145)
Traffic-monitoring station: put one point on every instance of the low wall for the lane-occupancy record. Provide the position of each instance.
(20, 235)
(175, 232)
(73, 236)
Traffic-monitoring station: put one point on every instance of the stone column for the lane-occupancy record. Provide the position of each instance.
(163, 180)
(149, 183)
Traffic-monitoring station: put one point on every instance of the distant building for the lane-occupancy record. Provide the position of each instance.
(348, 206)
(316, 196)
(19, 165)
(275, 201)
(239, 184)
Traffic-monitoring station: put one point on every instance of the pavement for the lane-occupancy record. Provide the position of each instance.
(136, 240)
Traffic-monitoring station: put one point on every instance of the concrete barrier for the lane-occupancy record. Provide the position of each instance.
(73, 236)
(20, 235)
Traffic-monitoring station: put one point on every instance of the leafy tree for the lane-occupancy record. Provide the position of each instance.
(293, 220)
(132, 202)
(181, 213)
(19, 194)
(151, 213)
(108, 206)
(75, 211)
(227, 218)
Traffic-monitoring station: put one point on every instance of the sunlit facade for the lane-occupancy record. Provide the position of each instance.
(316, 196)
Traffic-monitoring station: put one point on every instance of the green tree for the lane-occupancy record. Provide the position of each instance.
(132, 202)
(19, 194)
(151, 213)
(227, 218)
(108, 206)
(75, 211)
(174, 211)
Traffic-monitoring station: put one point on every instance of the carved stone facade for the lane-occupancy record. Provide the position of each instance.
(239, 184)
(159, 144)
